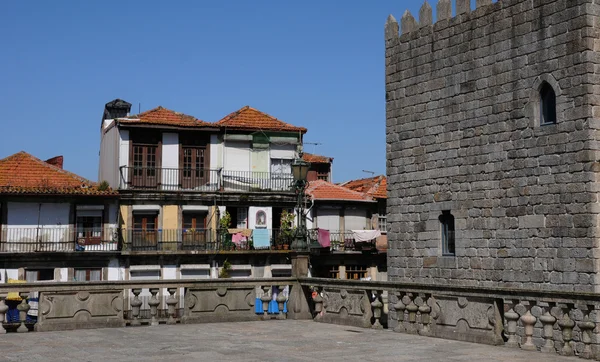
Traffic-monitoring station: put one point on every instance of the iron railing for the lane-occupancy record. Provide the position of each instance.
(340, 240)
(202, 180)
(199, 240)
(58, 239)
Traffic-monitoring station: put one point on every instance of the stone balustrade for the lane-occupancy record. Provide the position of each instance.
(550, 322)
(117, 304)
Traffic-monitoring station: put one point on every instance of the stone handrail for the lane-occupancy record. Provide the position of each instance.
(548, 321)
(76, 305)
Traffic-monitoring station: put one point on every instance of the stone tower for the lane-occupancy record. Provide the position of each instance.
(493, 139)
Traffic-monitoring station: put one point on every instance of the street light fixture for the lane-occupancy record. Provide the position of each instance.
(300, 172)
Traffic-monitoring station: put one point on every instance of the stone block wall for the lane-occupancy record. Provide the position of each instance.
(464, 135)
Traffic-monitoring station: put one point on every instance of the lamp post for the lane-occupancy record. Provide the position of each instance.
(300, 171)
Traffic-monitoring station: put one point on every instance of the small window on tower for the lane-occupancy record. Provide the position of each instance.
(547, 105)
(447, 224)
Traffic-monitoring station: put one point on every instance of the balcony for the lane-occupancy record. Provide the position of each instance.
(57, 239)
(208, 240)
(341, 240)
(203, 180)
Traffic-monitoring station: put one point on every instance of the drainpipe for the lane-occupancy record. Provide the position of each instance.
(37, 231)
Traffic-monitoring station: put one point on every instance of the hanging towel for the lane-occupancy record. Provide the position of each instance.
(323, 237)
(361, 236)
(261, 239)
(238, 238)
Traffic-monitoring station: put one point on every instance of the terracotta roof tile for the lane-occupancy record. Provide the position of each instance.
(309, 157)
(22, 173)
(375, 187)
(164, 117)
(248, 118)
(323, 190)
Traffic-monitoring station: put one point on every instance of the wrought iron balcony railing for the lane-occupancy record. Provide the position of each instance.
(202, 180)
(58, 239)
(200, 240)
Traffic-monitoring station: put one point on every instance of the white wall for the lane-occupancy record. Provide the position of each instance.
(237, 156)
(355, 219)
(115, 271)
(216, 152)
(109, 157)
(123, 153)
(170, 160)
(252, 210)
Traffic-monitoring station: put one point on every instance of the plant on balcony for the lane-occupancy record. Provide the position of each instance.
(287, 231)
(224, 224)
(224, 272)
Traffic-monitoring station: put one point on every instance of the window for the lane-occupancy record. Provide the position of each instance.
(242, 218)
(356, 272)
(281, 166)
(323, 176)
(334, 272)
(447, 223)
(547, 104)
(194, 220)
(382, 223)
(89, 229)
(39, 275)
(87, 275)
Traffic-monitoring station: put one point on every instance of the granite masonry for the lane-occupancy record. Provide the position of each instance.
(493, 120)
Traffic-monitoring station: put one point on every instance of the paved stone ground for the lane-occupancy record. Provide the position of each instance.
(249, 341)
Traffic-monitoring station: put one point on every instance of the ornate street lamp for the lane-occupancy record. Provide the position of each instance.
(300, 171)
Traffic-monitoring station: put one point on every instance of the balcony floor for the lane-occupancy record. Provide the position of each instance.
(249, 341)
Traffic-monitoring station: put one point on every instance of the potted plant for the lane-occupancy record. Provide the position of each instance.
(224, 223)
(287, 230)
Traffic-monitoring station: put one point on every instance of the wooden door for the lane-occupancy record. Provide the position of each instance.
(193, 173)
(194, 229)
(145, 235)
(145, 166)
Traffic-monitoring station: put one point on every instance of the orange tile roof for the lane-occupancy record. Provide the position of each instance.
(22, 173)
(248, 118)
(309, 157)
(323, 190)
(375, 187)
(164, 117)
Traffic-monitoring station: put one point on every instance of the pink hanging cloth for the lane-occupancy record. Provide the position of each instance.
(323, 237)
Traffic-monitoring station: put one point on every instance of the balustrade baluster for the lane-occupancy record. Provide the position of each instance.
(412, 309)
(377, 305)
(23, 308)
(3, 310)
(266, 299)
(400, 307)
(566, 325)
(136, 303)
(280, 302)
(548, 321)
(425, 311)
(587, 327)
(318, 300)
(511, 326)
(153, 303)
(528, 321)
(171, 302)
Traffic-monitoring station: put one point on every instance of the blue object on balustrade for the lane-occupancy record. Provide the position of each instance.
(12, 315)
(272, 309)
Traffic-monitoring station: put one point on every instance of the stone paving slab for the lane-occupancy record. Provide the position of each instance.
(249, 341)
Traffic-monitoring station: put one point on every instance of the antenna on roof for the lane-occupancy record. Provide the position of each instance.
(139, 107)
(313, 144)
(367, 171)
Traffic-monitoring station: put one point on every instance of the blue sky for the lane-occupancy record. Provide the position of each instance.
(318, 64)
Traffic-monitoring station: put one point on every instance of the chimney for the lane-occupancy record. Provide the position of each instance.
(56, 161)
(117, 108)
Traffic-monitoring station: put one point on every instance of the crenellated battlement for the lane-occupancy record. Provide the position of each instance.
(409, 24)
